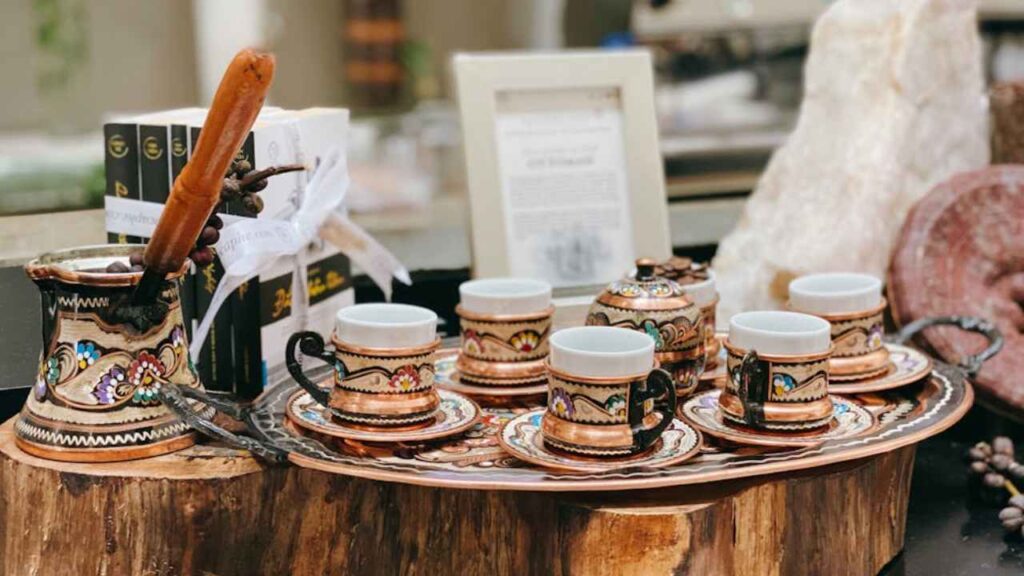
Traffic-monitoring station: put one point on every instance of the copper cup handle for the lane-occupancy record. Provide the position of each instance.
(657, 385)
(309, 344)
(752, 388)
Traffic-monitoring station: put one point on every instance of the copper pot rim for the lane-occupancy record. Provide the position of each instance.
(782, 358)
(680, 302)
(344, 347)
(606, 380)
(39, 269)
(478, 317)
(841, 316)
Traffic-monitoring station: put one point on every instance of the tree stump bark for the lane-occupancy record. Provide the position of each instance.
(212, 510)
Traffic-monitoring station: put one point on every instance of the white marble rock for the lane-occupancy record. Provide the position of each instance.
(893, 104)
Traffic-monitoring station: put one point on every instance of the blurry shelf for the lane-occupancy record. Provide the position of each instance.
(712, 143)
(436, 238)
(682, 16)
(711, 184)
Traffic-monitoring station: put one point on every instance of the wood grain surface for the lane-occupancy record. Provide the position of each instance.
(211, 510)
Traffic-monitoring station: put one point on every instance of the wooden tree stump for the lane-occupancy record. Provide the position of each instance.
(211, 510)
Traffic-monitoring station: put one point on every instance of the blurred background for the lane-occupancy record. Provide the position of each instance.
(728, 75)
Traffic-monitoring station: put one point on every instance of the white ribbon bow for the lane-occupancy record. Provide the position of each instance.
(251, 246)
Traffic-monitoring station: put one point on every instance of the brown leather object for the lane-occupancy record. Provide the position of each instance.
(1006, 105)
(961, 251)
(196, 191)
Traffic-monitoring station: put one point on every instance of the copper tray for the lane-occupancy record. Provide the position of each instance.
(475, 461)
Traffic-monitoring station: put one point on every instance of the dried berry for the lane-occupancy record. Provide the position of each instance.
(1017, 501)
(1012, 518)
(231, 189)
(1002, 445)
(977, 454)
(1000, 462)
(252, 203)
(117, 267)
(202, 256)
(979, 467)
(208, 236)
(1016, 470)
(994, 480)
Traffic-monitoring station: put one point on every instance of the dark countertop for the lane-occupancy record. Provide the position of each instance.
(950, 530)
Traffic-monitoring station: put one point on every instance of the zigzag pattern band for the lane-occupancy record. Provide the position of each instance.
(91, 302)
(55, 438)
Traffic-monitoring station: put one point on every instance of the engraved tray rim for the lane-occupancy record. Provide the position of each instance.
(942, 399)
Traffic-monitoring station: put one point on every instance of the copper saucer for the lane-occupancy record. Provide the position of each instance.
(446, 377)
(455, 415)
(521, 437)
(906, 365)
(850, 420)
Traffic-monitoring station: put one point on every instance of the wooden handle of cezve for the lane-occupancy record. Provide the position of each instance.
(197, 190)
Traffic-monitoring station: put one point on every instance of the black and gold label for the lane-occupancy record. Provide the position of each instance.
(153, 164)
(326, 278)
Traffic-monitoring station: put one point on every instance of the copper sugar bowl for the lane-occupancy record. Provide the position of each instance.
(660, 308)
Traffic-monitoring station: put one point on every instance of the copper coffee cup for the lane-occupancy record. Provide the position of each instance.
(853, 305)
(505, 324)
(605, 395)
(383, 358)
(778, 371)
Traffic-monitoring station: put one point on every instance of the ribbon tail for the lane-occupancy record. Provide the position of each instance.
(366, 252)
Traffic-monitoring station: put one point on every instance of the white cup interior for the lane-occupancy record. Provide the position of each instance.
(500, 296)
(601, 351)
(385, 325)
(781, 333)
(702, 293)
(835, 293)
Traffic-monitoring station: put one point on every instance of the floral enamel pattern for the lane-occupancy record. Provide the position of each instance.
(505, 340)
(616, 405)
(561, 403)
(591, 403)
(112, 386)
(471, 342)
(145, 374)
(782, 384)
(857, 336)
(875, 337)
(115, 376)
(86, 354)
(645, 289)
(790, 381)
(383, 374)
(405, 378)
(525, 340)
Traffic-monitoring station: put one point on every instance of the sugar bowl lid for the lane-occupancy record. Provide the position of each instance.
(645, 290)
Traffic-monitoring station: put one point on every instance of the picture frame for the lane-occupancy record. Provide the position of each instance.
(520, 110)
